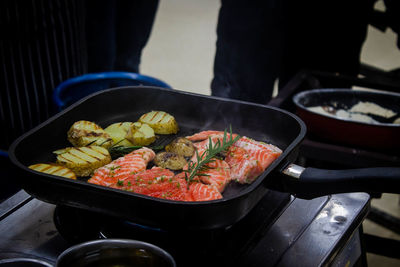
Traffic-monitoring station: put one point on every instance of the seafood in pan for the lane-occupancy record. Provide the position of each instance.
(163, 183)
(246, 158)
(192, 168)
(123, 167)
(203, 178)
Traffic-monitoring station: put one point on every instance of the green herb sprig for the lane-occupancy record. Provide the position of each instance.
(208, 156)
(117, 151)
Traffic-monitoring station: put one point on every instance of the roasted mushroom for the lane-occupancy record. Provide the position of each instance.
(170, 161)
(181, 146)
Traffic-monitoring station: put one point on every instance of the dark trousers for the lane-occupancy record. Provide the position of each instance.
(248, 49)
(263, 40)
(117, 31)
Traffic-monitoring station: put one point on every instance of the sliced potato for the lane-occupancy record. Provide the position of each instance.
(118, 132)
(83, 133)
(181, 146)
(141, 134)
(170, 161)
(54, 170)
(84, 160)
(161, 122)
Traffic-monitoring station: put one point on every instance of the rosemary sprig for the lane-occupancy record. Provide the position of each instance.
(91, 143)
(117, 151)
(94, 141)
(208, 156)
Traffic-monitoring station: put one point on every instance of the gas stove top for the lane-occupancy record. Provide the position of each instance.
(280, 230)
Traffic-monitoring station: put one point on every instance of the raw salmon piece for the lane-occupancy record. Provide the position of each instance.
(205, 134)
(219, 174)
(146, 153)
(121, 168)
(203, 145)
(249, 158)
(251, 145)
(156, 182)
(264, 153)
(176, 189)
(199, 191)
(203, 192)
(243, 167)
(146, 177)
(200, 152)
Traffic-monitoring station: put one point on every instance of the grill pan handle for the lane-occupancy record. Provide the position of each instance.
(312, 182)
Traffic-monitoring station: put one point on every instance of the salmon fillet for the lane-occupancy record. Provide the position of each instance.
(199, 191)
(121, 168)
(204, 135)
(245, 160)
(203, 192)
(156, 182)
(176, 189)
(218, 174)
(249, 158)
(202, 146)
(161, 183)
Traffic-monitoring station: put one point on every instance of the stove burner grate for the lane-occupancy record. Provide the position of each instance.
(221, 245)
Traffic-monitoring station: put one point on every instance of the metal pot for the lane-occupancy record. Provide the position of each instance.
(113, 252)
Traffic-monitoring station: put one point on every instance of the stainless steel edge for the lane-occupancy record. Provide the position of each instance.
(13, 203)
(293, 170)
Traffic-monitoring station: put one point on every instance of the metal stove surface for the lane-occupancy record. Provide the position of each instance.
(280, 231)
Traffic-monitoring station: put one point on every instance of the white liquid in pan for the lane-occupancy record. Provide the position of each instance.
(358, 112)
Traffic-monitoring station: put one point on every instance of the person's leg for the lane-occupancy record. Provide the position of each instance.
(324, 35)
(100, 34)
(135, 22)
(248, 50)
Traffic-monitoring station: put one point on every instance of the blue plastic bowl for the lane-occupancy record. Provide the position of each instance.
(71, 90)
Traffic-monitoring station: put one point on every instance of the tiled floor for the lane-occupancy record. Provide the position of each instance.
(181, 52)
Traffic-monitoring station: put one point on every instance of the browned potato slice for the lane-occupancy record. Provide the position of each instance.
(181, 146)
(83, 133)
(161, 122)
(83, 160)
(141, 134)
(54, 170)
(170, 161)
(118, 132)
